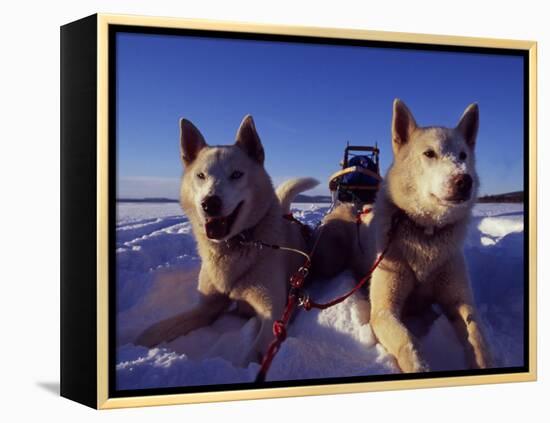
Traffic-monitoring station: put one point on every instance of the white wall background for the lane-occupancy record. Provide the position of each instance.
(29, 168)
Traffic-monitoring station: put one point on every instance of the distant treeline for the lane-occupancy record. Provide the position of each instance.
(301, 198)
(509, 197)
(146, 200)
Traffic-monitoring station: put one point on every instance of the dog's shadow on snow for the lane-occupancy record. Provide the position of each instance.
(497, 278)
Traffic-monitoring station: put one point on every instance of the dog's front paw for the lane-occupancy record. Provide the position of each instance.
(409, 360)
(479, 354)
(148, 338)
(155, 334)
(482, 360)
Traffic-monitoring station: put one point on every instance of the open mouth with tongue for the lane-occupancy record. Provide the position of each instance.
(219, 227)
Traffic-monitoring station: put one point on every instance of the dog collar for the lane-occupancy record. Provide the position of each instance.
(427, 230)
(242, 238)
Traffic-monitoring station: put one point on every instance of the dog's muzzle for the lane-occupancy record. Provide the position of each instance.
(461, 186)
(218, 227)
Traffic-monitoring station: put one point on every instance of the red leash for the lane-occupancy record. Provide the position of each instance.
(308, 304)
(297, 297)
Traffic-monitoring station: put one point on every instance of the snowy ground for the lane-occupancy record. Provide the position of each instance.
(157, 266)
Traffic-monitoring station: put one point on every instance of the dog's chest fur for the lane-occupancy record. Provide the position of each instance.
(423, 249)
(426, 250)
(230, 266)
(226, 264)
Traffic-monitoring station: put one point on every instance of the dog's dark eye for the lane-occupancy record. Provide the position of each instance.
(236, 174)
(430, 154)
(201, 175)
(462, 155)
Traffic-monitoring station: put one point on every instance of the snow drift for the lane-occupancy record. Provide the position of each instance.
(157, 266)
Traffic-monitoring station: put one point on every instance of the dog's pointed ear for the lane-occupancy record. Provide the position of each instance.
(247, 138)
(403, 125)
(191, 141)
(469, 124)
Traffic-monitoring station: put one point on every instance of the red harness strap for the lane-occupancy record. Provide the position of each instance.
(295, 297)
(308, 304)
(361, 214)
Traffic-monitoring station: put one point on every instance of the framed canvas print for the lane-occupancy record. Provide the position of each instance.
(254, 211)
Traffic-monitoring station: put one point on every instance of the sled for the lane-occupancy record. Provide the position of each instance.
(359, 179)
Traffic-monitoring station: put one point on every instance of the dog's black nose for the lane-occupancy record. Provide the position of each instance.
(463, 184)
(212, 205)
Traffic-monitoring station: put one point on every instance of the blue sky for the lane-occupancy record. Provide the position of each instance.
(307, 100)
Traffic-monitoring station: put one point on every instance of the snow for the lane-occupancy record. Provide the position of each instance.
(496, 228)
(157, 267)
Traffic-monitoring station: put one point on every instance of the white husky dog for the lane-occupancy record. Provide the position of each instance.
(229, 198)
(431, 186)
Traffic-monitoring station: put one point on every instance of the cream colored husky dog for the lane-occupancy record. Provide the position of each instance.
(431, 186)
(229, 199)
(343, 243)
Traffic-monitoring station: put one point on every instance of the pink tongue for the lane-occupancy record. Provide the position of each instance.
(216, 228)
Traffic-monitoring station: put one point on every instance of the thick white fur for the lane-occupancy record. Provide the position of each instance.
(425, 262)
(288, 190)
(256, 279)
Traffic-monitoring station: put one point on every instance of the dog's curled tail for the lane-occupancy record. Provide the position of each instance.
(288, 190)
